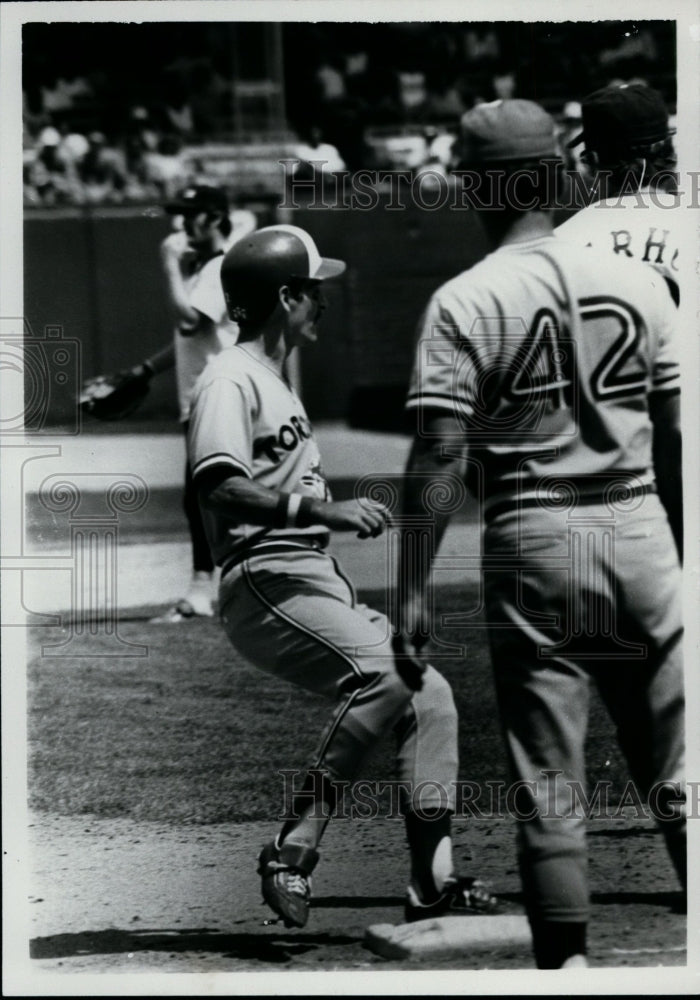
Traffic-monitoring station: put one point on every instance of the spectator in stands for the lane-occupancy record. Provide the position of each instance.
(31, 192)
(72, 146)
(317, 156)
(440, 148)
(140, 137)
(412, 92)
(55, 96)
(330, 80)
(481, 44)
(504, 84)
(103, 171)
(444, 102)
(50, 179)
(166, 168)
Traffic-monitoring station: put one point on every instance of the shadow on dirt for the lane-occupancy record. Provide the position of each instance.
(273, 948)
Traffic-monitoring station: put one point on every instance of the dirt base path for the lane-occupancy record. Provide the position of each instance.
(119, 896)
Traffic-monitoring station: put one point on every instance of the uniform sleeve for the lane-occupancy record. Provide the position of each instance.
(221, 428)
(446, 367)
(666, 372)
(243, 222)
(206, 293)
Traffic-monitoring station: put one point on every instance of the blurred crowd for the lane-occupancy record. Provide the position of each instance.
(390, 97)
(65, 166)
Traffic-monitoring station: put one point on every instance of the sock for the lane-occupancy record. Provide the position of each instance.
(312, 808)
(555, 941)
(430, 845)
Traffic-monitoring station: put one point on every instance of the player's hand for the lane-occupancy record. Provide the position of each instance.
(367, 518)
(176, 246)
(409, 664)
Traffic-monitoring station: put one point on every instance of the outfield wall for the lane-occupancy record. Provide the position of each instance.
(95, 273)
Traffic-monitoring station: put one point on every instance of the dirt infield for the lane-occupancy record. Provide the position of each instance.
(178, 892)
(163, 882)
(117, 895)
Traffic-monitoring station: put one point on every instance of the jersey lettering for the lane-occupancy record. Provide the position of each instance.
(538, 366)
(621, 241)
(287, 439)
(660, 246)
(611, 378)
(266, 446)
(301, 427)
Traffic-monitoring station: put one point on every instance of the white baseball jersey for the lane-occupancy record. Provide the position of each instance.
(246, 417)
(192, 353)
(546, 354)
(631, 226)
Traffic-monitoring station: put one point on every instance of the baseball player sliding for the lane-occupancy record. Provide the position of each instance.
(286, 604)
(551, 375)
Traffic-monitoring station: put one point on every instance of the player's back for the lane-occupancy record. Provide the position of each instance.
(643, 226)
(554, 351)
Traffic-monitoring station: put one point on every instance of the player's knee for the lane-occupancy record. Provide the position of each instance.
(379, 683)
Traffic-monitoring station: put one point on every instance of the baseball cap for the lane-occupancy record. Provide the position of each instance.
(302, 253)
(200, 198)
(623, 117)
(503, 130)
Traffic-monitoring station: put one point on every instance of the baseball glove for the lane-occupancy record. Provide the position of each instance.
(112, 397)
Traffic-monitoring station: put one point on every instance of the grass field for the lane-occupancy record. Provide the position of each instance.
(189, 734)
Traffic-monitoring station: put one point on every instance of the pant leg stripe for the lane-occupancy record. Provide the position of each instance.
(345, 579)
(344, 707)
(343, 710)
(301, 628)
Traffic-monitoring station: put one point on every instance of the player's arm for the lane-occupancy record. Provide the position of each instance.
(174, 250)
(664, 410)
(111, 397)
(206, 299)
(157, 363)
(248, 502)
(436, 462)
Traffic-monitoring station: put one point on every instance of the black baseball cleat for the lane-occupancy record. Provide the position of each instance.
(286, 880)
(465, 897)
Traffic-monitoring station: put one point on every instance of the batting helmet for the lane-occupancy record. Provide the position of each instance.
(258, 265)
